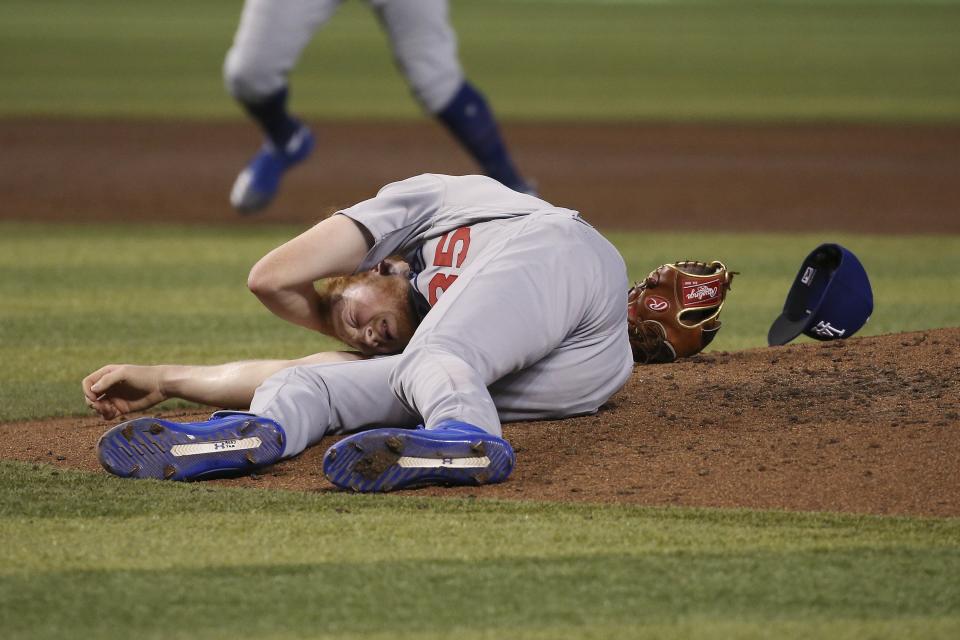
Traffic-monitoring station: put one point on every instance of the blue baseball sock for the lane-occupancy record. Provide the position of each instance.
(272, 116)
(470, 120)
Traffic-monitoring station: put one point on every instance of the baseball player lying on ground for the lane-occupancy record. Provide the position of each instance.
(523, 314)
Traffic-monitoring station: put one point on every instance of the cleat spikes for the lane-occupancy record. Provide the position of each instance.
(373, 465)
(220, 447)
(394, 443)
(389, 459)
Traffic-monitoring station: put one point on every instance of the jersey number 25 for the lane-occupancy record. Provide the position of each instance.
(451, 252)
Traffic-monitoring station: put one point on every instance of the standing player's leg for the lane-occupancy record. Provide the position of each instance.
(267, 45)
(425, 50)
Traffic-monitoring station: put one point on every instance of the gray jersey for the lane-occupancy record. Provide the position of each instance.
(441, 224)
(528, 317)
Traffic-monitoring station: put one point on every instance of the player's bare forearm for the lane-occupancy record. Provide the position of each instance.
(115, 390)
(299, 305)
(229, 386)
(232, 385)
(283, 279)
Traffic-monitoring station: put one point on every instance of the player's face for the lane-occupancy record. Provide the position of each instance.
(372, 313)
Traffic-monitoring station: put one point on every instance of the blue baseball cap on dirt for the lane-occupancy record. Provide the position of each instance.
(830, 298)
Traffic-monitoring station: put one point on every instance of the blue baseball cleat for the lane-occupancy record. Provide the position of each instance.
(455, 453)
(225, 445)
(259, 181)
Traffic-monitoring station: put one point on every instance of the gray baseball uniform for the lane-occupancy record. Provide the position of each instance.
(528, 318)
(272, 35)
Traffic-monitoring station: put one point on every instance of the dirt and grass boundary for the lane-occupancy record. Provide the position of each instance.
(867, 425)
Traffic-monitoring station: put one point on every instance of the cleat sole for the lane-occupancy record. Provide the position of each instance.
(388, 459)
(154, 448)
(371, 466)
(395, 444)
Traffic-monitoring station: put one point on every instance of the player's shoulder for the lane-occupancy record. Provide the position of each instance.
(415, 184)
(457, 193)
(480, 190)
(448, 182)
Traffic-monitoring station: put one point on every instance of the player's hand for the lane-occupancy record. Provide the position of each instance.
(117, 389)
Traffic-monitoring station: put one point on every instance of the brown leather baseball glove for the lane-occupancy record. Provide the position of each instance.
(673, 312)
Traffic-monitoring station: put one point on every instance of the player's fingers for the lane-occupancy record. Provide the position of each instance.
(106, 409)
(108, 379)
(92, 379)
(88, 382)
(109, 410)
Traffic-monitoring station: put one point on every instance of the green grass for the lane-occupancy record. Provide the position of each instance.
(92, 556)
(78, 297)
(673, 60)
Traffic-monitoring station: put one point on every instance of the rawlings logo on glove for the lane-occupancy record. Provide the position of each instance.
(674, 312)
(697, 294)
(656, 303)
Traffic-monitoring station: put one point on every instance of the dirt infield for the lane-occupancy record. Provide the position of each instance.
(871, 425)
(868, 425)
(811, 177)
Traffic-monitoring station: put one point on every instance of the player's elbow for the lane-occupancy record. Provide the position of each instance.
(263, 281)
